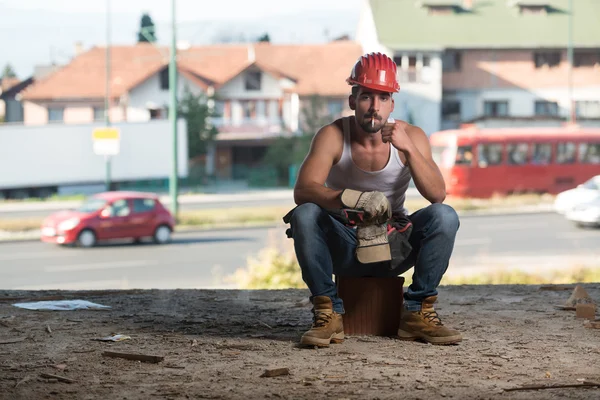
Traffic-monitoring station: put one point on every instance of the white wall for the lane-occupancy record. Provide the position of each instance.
(521, 101)
(366, 31)
(63, 154)
(149, 94)
(421, 99)
(270, 88)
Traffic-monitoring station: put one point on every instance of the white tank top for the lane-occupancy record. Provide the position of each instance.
(392, 180)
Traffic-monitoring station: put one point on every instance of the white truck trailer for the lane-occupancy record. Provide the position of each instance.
(38, 161)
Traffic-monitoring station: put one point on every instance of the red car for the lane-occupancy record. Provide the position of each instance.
(110, 215)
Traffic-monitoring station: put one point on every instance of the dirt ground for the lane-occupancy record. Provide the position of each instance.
(216, 344)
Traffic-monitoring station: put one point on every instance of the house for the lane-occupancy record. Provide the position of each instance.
(259, 90)
(472, 60)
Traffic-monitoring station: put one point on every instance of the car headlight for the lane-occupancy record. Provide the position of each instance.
(68, 224)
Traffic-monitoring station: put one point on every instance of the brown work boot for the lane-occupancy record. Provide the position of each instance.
(426, 325)
(327, 325)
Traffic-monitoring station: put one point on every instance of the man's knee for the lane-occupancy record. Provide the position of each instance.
(444, 216)
(305, 215)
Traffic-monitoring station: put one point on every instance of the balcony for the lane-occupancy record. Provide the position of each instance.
(249, 128)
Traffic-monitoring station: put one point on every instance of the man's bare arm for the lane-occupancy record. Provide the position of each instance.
(425, 172)
(310, 185)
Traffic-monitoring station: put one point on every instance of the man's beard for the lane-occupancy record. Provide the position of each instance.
(370, 127)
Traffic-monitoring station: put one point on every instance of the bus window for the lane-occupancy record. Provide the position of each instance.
(443, 156)
(517, 153)
(489, 154)
(565, 153)
(464, 155)
(542, 154)
(589, 153)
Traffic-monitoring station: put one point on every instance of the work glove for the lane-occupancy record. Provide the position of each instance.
(375, 205)
(373, 245)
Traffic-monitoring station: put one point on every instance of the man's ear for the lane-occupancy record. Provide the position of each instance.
(393, 104)
(352, 102)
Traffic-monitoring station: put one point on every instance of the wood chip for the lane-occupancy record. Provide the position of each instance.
(57, 377)
(135, 357)
(537, 387)
(11, 341)
(592, 324)
(269, 373)
(586, 311)
(48, 329)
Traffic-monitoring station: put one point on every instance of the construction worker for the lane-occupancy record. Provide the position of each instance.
(365, 162)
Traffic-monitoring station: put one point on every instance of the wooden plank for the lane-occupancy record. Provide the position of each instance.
(135, 357)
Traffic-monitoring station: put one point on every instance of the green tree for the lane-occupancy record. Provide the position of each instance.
(8, 72)
(147, 33)
(264, 38)
(196, 111)
(288, 151)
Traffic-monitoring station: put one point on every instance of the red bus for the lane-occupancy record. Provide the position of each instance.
(500, 161)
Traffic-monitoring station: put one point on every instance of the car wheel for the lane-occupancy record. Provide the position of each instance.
(162, 234)
(87, 238)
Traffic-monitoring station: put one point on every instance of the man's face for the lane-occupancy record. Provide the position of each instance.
(371, 108)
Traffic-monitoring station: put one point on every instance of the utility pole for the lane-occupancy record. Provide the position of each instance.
(173, 112)
(107, 91)
(570, 58)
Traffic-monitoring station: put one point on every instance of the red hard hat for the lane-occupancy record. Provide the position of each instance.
(375, 71)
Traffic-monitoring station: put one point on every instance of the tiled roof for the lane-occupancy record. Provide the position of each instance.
(318, 69)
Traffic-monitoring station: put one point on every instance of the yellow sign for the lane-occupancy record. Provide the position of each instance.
(105, 134)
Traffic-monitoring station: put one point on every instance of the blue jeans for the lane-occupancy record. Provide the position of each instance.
(324, 246)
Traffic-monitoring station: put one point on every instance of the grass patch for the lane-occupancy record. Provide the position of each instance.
(20, 224)
(54, 197)
(276, 267)
(574, 274)
(232, 216)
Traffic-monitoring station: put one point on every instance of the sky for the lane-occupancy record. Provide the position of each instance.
(34, 32)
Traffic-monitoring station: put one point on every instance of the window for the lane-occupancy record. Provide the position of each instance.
(489, 154)
(156, 113)
(440, 9)
(549, 108)
(143, 205)
(586, 58)
(589, 153)
(426, 61)
(335, 107)
(517, 153)
(98, 113)
(249, 109)
(542, 154)
(532, 9)
(253, 80)
(464, 155)
(587, 109)
(565, 153)
(495, 108)
(164, 79)
(119, 208)
(451, 110)
(591, 184)
(56, 114)
(398, 60)
(548, 58)
(219, 110)
(451, 61)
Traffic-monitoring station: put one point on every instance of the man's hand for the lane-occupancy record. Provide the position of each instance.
(394, 132)
(375, 205)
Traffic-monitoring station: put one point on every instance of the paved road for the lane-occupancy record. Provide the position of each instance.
(202, 259)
